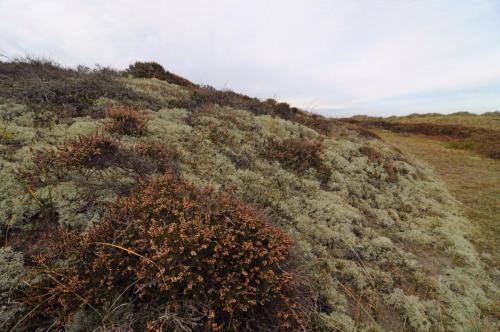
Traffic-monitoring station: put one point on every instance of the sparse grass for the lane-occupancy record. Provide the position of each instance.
(472, 179)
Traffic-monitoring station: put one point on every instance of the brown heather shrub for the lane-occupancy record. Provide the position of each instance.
(317, 122)
(90, 151)
(96, 151)
(485, 142)
(84, 153)
(126, 121)
(391, 170)
(181, 258)
(165, 158)
(155, 70)
(299, 155)
(42, 84)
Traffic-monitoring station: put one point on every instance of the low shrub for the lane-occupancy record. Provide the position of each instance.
(317, 122)
(85, 154)
(126, 121)
(165, 158)
(391, 170)
(177, 257)
(44, 84)
(155, 70)
(90, 151)
(299, 155)
(431, 129)
(95, 151)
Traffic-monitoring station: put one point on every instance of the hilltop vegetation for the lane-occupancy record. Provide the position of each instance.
(139, 200)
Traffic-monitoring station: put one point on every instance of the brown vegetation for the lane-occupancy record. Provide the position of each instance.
(126, 121)
(165, 158)
(299, 155)
(89, 151)
(155, 70)
(45, 86)
(484, 141)
(178, 257)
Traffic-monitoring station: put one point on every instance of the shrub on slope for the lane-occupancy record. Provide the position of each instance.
(126, 121)
(299, 155)
(47, 87)
(155, 70)
(176, 257)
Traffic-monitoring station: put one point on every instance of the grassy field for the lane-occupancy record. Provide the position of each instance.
(465, 131)
(471, 179)
(489, 120)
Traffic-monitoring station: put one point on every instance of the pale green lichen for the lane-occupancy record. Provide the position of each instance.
(358, 230)
(11, 272)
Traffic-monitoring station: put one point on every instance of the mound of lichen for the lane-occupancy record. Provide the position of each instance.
(386, 246)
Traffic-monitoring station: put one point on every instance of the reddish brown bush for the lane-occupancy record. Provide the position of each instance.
(95, 151)
(485, 142)
(90, 151)
(317, 122)
(170, 250)
(431, 129)
(299, 155)
(126, 121)
(164, 157)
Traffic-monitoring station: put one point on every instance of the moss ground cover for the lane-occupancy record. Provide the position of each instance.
(377, 244)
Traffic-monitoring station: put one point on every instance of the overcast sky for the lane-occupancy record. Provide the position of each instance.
(333, 57)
